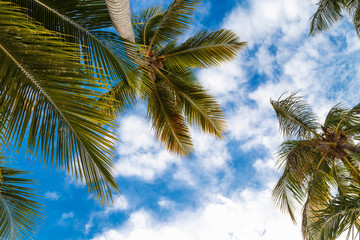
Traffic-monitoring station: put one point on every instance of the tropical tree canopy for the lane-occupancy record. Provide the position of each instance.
(164, 78)
(330, 11)
(49, 94)
(320, 168)
(63, 79)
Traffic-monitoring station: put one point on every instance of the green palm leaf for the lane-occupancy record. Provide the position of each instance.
(328, 12)
(51, 96)
(200, 108)
(175, 20)
(204, 49)
(146, 23)
(169, 125)
(295, 117)
(342, 214)
(70, 19)
(20, 210)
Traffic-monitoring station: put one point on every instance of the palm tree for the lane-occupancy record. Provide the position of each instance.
(330, 11)
(320, 167)
(164, 78)
(49, 92)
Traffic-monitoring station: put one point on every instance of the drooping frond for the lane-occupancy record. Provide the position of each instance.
(328, 12)
(319, 188)
(67, 18)
(301, 165)
(199, 107)
(51, 97)
(353, 7)
(169, 125)
(288, 193)
(175, 20)
(20, 210)
(89, 14)
(340, 215)
(295, 117)
(204, 49)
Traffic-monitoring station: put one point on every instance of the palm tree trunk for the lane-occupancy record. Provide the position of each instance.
(119, 11)
(352, 148)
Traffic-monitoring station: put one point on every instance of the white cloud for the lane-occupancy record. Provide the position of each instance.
(64, 220)
(52, 195)
(120, 203)
(248, 215)
(280, 58)
(140, 154)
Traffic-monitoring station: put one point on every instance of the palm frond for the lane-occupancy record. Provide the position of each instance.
(295, 117)
(51, 96)
(318, 196)
(353, 8)
(20, 210)
(341, 214)
(169, 125)
(176, 19)
(90, 14)
(288, 193)
(200, 108)
(328, 12)
(69, 23)
(205, 49)
(146, 23)
(343, 119)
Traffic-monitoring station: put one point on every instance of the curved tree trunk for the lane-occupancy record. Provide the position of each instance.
(119, 11)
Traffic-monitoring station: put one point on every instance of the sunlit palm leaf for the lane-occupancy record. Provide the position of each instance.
(169, 125)
(20, 210)
(340, 215)
(146, 23)
(295, 117)
(328, 12)
(176, 19)
(69, 23)
(205, 49)
(51, 96)
(200, 108)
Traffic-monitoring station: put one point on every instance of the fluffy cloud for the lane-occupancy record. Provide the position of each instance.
(140, 154)
(52, 195)
(280, 57)
(248, 215)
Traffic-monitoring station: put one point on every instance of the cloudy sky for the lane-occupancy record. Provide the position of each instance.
(223, 191)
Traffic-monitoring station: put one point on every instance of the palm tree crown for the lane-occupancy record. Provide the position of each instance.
(320, 170)
(163, 75)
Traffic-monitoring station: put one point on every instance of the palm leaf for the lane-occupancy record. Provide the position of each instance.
(72, 24)
(353, 8)
(146, 23)
(20, 210)
(169, 125)
(200, 108)
(204, 49)
(328, 12)
(340, 215)
(176, 19)
(295, 117)
(51, 97)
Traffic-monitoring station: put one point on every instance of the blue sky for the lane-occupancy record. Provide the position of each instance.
(222, 191)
